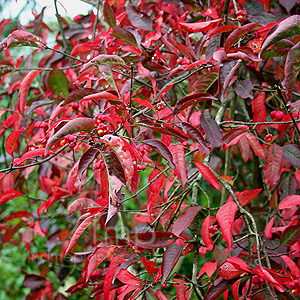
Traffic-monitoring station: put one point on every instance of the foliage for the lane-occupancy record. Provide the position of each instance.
(152, 152)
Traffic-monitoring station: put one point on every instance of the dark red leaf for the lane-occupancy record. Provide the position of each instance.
(214, 291)
(255, 145)
(86, 159)
(185, 219)
(12, 140)
(291, 154)
(212, 132)
(259, 111)
(125, 35)
(109, 15)
(290, 235)
(33, 281)
(243, 88)
(152, 240)
(233, 133)
(208, 175)
(247, 196)
(162, 149)
(138, 18)
(264, 274)
(200, 26)
(82, 203)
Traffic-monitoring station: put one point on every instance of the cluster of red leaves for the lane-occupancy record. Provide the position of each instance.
(147, 88)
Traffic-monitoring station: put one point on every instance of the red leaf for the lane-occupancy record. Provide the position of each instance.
(18, 214)
(208, 175)
(125, 35)
(12, 140)
(97, 258)
(255, 145)
(238, 263)
(86, 159)
(225, 217)
(24, 88)
(200, 26)
(247, 196)
(181, 291)
(178, 154)
(185, 219)
(170, 259)
(138, 19)
(291, 264)
(33, 281)
(244, 148)
(264, 274)
(205, 234)
(31, 154)
(268, 229)
(72, 177)
(80, 229)
(75, 125)
(272, 168)
(286, 28)
(218, 289)
(209, 268)
(220, 29)
(150, 266)
(229, 271)
(162, 149)
(259, 111)
(234, 135)
(160, 296)
(239, 33)
(127, 278)
(82, 203)
(289, 202)
(8, 195)
(152, 240)
(102, 96)
(109, 15)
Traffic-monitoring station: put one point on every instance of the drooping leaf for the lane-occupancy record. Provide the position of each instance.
(291, 264)
(128, 278)
(196, 135)
(205, 232)
(12, 140)
(234, 133)
(80, 229)
(192, 100)
(264, 274)
(208, 175)
(185, 219)
(290, 235)
(203, 84)
(200, 26)
(77, 95)
(247, 196)
(244, 147)
(259, 111)
(288, 4)
(24, 89)
(31, 154)
(33, 281)
(75, 125)
(212, 132)
(58, 83)
(138, 18)
(86, 159)
(255, 145)
(272, 168)
(291, 153)
(230, 271)
(286, 28)
(178, 154)
(239, 33)
(289, 201)
(243, 88)
(8, 195)
(72, 178)
(82, 203)
(214, 291)
(162, 149)
(109, 15)
(220, 29)
(125, 35)
(152, 240)
(170, 259)
(225, 217)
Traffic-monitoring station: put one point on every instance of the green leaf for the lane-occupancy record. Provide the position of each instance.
(125, 35)
(109, 15)
(290, 235)
(58, 83)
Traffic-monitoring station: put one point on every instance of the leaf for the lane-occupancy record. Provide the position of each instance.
(24, 88)
(212, 132)
(225, 217)
(58, 83)
(291, 69)
(82, 203)
(205, 234)
(109, 15)
(169, 261)
(259, 111)
(33, 281)
(152, 240)
(185, 219)
(8, 195)
(86, 159)
(196, 135)
(264, 274)
(289, 202)
(290, 235)
(291, 154)
(288, 4)
(105, 59)
(127, 278)
(102, 96)
(208, 175)
(220, 29)
(200, 26)
(192, 100)
(12, 141)
(244, 148)
(233, 134)
(243, 88)
(75, 125)
(125, 35)
(245, 197)
(218, 289)
(272, 168)
(126, 155)
(80, 229)
(238, 33)
(203, 84)
(162, 149)
(72, 178)
(31, 154)
(178, 154)
(291, 264)
(255, 145)
(138, 18)
(97, 258)
(238, 263)
(77, 95)
(286, 28)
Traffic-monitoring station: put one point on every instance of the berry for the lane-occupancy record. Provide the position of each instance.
(72, 145)
(141, 167)
(160, 105)
(70, 138)
(255, 280)
(74, 106)
(268, 138)
(38, 124)
(276, 115)
(77, 18)
(101, 132)
(164, 285)
(292, 285)
(62, 142)
(185, 143)
(44, 124)
(241, 15)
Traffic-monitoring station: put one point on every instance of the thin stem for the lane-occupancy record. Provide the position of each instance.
(96, 21)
